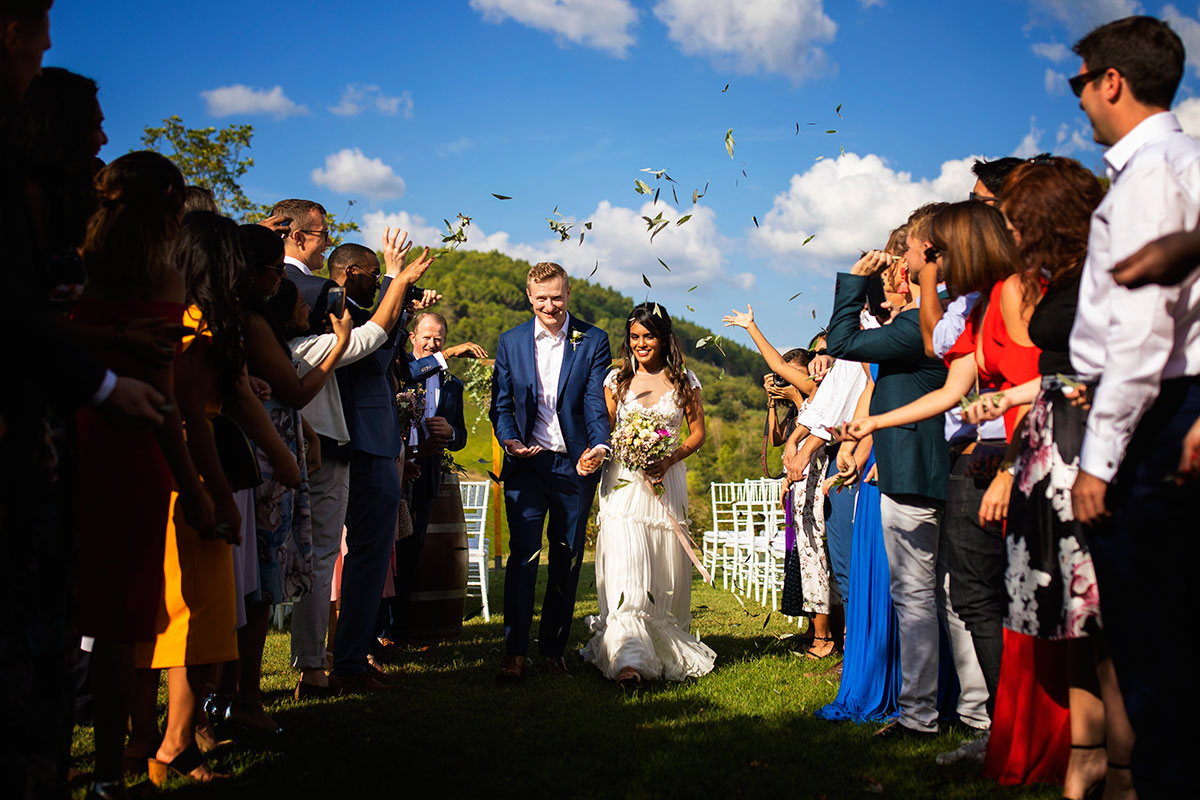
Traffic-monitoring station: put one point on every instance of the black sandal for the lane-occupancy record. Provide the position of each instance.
(183, 765)
(832, 650)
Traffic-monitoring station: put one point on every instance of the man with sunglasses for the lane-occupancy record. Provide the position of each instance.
(305, 240)
(1140, 351)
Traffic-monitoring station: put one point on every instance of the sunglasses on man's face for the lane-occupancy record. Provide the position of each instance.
(1078, 82)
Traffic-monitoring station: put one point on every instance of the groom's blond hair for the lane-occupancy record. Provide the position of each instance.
(546, 271)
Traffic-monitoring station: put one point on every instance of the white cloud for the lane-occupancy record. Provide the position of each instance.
(850, 204)
(358, 97)
(869, 3)
(752, 35)
(1189, 30)
(1031, 144)
(603, 24)
(1080, 16)
(459, 145)
(1056, 82)
(618, 242)
(350, 172)
(1051, 51)
(1188, 113)
(225, 101)
(1073, 142)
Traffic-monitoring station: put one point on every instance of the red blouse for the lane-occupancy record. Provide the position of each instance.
(1005, 363)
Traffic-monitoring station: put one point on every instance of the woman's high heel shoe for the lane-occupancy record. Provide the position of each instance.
(183, 765)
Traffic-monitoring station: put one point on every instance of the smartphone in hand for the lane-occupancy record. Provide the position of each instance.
(336, 303)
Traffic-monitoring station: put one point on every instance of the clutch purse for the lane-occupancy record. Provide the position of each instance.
(236, 454)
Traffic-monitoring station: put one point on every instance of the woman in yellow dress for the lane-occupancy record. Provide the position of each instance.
(197, 619)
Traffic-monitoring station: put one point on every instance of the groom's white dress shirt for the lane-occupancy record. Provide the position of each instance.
(547, 432)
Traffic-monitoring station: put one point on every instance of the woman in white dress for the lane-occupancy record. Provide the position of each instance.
(643, 571)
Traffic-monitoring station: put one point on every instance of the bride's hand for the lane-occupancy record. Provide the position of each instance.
(591, 460)
(658, 469)
(740, 319)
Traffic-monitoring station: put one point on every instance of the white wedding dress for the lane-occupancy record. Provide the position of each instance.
(643, 574)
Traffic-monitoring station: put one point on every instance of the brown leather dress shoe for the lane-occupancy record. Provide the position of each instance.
(556, 665)
(513, 668)
(311, 691)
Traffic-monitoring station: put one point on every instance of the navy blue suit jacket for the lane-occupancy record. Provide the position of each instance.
(315, 291)
(449, 408)
(912, 459)
(581, 409)
(368, 398)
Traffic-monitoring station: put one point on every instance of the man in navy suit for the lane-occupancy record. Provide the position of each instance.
(372, 508)
(548, 411)
(444, 428)
(304, 247)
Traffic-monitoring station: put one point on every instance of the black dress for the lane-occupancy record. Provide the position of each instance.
(1051, 582)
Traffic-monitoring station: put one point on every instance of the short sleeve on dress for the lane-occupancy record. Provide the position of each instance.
(610, 381)
(693, 381)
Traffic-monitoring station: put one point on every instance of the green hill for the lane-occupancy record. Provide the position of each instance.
(484, 294)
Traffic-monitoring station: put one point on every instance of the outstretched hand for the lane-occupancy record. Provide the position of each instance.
(740, 319)
(855, 429)
(395, 250)
(464, 350)
(991, 406)
(517, 449)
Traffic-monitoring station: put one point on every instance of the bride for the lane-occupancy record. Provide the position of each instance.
(643, 572)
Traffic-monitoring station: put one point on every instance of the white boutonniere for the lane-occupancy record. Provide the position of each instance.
(576, 337)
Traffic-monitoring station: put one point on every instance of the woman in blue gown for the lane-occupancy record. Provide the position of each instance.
(871, 667)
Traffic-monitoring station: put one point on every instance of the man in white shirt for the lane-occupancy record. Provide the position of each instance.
(1143, 347)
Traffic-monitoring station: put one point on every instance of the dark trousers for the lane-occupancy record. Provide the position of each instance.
(371, 513)
(976, 558)
(839, 528)
(545, 485)
(1144, 564)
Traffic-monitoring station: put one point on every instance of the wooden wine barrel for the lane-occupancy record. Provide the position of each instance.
(440, 588)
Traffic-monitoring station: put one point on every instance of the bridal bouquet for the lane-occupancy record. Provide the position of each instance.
(410, 408)
(641, 439)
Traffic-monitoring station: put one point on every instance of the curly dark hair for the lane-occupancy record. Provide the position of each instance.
(655, 319)
(209, 255)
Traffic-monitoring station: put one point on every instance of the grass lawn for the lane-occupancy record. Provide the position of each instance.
(746, 730)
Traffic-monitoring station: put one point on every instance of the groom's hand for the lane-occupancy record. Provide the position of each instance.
(514, 447)
(590, 461)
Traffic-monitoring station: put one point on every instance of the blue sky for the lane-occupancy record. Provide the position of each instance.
(418, 111)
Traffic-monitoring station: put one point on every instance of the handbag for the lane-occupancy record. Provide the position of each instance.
(236, 453)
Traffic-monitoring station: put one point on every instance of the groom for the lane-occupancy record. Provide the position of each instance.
(549, 413)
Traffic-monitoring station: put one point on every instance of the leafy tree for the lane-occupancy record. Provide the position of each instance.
(214, 159)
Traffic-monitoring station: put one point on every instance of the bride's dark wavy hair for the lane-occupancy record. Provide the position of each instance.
(654, 318)
(209, 255)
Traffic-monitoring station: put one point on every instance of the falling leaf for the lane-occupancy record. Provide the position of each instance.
(843, 151)
(640, 187)
(831, 131)
(793, 297)
(587, 225)
(818, 158)
(814, 313)
(656, 191)
(651, 596)
(483, 461)
(703, 342)
(810, 123)
(555, 211)
(695, 196)
(674, 195)
(593, 272)
(658, 310)
(535, 556)
(492, 475)
(767, 620)
(838, 111)
(661, 227)
(689, 308)
(729, 143)
(683, 219)
(809, 239)
(646, 281)
(744, 175)
(797, 129)
(726, 89)
(668, 269)
(581, 235)
(621, 602)
(501, 196)
(755, 220)
(694, 288)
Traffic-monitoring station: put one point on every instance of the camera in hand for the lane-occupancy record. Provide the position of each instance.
(413, 294)
(779, 381)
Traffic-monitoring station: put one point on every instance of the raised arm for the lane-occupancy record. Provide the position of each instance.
(267, 360)
(394, 252)
(745, 319)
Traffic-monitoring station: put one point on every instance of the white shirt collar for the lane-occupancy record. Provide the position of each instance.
(298, 264)
(1152, 127)
(540, 330)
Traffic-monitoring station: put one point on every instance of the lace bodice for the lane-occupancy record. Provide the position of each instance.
(665, 404)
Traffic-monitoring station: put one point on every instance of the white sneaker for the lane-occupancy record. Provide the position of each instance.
(972, 749)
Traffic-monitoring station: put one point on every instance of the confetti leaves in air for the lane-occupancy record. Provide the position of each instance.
(711, 341)
(456, 235)
(501, 196)
(729, 143)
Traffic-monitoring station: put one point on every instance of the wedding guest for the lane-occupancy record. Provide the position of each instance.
(1048, 203)
(196, 617)
(443, 429)
(48, 378)
(305, 240)
(913, 467)
(199, 198)
(126, 476)
(786, 397)
(1141, 347)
